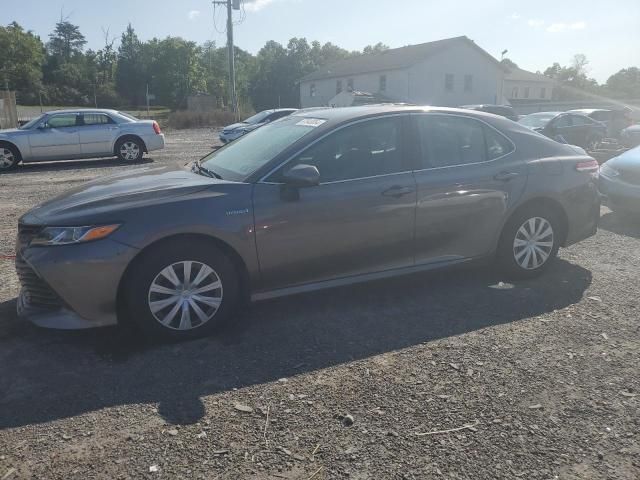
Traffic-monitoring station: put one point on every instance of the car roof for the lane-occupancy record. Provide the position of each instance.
(588, 111)
(82, 110)
(544, 113)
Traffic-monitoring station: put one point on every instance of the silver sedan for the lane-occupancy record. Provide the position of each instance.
(72, 134)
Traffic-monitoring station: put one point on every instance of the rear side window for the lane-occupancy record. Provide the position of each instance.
(452, 140)
(577, 120)
(563, 121)
(365, 149)
(96, 119)
(602, 116)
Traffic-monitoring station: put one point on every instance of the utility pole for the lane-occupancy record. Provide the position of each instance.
(231, 5)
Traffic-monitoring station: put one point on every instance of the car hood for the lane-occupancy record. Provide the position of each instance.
(107, 195)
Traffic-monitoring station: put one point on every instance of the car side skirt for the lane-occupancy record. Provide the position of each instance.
(366, 277)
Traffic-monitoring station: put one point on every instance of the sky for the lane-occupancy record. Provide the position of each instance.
(536, 34)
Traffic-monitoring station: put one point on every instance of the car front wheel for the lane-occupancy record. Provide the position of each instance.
(182, 290)
(8, 158)
(529, 243)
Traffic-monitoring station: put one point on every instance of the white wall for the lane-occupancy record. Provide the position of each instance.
(534, 90)
(427, 79)
(397, 87)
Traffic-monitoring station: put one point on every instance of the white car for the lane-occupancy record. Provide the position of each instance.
(84, 133)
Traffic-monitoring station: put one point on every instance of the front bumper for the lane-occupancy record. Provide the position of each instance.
(84, 277)
(618, 194)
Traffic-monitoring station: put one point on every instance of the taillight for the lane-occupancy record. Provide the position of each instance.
(590, 166)
(156, 128)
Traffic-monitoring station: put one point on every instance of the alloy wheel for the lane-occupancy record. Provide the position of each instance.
(7, 158)
(185, 295)
(129, 150)
(533, 243)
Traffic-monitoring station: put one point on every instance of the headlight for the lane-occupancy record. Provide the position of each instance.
(608, 171)
(67, 235)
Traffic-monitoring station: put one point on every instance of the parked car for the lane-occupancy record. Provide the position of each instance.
(619, 182)
(71, 134)
(236, 130)
(502, 110)
(571, 128)
(320, 199)
(630, 136)
(615, 120)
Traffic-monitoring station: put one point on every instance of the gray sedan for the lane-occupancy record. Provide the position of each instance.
(620, 182)
(71, 134)
(321, 198)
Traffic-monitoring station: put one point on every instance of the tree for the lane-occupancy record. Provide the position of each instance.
(66, 40)
(508, 63)
(130, 71)
(573, 81)
(373, 49)
(21, 60)
(625, 83)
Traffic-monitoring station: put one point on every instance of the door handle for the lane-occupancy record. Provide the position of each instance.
(505, 176)
(397, 191)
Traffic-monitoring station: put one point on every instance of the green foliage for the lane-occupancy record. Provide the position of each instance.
(625, 83)
(21, 58)
(377, 48)
(574, 84)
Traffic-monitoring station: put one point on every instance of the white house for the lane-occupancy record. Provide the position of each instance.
(521, 86)
(448, 72)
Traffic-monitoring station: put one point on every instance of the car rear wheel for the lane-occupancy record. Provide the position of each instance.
(9, 157)
(130, 150)
(184, 289)
(529, 242)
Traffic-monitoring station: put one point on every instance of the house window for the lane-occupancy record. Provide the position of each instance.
(526, 92)
(468, 83)
(350, 85)
(448, 82)
(514, 92)
(312, 90)
(338, 86)
(543, 92)
(383, 83)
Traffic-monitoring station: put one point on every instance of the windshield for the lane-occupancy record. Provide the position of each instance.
(258, 117)
(32, 123)
(537, 120)
(241, 158)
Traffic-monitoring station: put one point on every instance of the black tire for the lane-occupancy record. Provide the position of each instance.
(508, 251)
(129, 149)
(146, 271)
(9, 157)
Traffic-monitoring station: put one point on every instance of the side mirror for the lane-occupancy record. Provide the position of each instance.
(302, 175)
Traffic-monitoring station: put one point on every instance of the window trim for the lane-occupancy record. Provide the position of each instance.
(382, 81)
(453, 82)
(263, 180)
(464, 164)
(469, 84)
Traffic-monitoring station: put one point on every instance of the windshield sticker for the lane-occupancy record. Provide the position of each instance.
(311, 122)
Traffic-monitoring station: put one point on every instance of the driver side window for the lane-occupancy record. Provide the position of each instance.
(362, 150)
(564, 121)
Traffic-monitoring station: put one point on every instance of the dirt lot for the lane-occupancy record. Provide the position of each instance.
(443, 375)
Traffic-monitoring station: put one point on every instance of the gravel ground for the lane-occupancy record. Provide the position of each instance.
(440, 375)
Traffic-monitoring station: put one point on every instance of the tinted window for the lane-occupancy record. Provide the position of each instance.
(96, 119)
(362, 150)
(581, 120)
(61, 121)
(563, 121)
(602, 116)
(449, 140)
(278, 115)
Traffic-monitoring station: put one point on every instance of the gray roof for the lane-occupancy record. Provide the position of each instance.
(392, 59)
(523, 75)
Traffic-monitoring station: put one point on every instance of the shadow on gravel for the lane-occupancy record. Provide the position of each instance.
(628, 225)
(62, 165)
(47, 375)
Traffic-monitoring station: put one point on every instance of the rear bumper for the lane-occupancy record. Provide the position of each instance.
(583, 212)
(154, 142)
(84, 277)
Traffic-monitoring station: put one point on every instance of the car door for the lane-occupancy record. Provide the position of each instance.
(561, 129)
(359, 219)
(56, 138)
(96, 133)
(468, 181)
